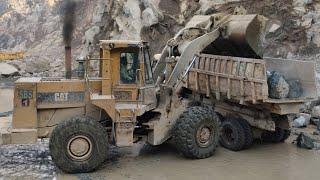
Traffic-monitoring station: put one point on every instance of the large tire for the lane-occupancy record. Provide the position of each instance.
(233, 136)
(248, 133)
(286, 135)
(281, 132)
(196, 132)
(275, 137)
(78, 145)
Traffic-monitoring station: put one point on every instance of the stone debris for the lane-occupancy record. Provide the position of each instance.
(7, 70)
(314, 121)
(299, 122)
(278, 86)
(302, 121)
(26, 161)
(307, 142)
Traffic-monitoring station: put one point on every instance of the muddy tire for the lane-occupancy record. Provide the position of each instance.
(248, 133)
(233, 135)
(286, 135)
(275, 137)
(196, 132)
(78, 145)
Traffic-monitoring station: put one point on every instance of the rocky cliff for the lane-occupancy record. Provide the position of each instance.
(35, 26)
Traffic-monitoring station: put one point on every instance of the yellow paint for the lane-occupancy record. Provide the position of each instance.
(11, 55)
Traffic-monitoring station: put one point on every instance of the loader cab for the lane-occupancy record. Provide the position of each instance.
(127, 85)
(126, 72)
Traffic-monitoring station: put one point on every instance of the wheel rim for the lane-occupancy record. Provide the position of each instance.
(204, 135)
(79, 147)
(228, 135)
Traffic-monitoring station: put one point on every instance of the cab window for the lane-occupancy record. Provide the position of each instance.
(148, 70)
(128, 67)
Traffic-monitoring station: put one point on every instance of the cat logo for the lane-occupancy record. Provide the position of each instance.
(61, 97)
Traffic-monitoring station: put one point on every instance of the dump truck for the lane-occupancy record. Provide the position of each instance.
(208, 85)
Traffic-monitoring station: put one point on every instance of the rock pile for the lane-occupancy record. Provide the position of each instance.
(307, 127)
(279, 87)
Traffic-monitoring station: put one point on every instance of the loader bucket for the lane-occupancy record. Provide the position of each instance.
(217, 34)
(243, 36)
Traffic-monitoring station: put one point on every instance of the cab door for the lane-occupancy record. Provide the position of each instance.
(135, 83)
(147, 90)
(126, 87)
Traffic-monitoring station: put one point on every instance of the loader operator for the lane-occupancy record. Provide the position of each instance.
(127, 68)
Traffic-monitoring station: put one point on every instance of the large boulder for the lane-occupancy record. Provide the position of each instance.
(7, 70)
(305, 140)
(149, 17)
(278, 86)
(302, 121)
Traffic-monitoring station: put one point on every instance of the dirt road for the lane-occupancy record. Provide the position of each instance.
(262, 161)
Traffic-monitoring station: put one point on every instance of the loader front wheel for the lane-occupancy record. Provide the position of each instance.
(78, 145)
(196, 133)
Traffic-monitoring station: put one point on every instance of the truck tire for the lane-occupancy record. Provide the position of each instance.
(196, 133)
(274, 136)
(233, 135)
(286, 135)
(78, 145)
(248, 133)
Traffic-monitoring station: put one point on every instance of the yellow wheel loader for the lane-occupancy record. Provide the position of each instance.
(210, 74)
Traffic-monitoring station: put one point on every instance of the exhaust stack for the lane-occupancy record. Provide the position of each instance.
(68, 61)
(69, 20)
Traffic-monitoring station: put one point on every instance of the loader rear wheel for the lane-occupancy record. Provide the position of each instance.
(78, 145)
(248, 133)
(196, 133)
(233, 135)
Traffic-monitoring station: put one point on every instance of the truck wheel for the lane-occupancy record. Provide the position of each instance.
(233, 135)
(275, 137)
(78, 145)
(286, 135)
(248, 133)
(196, 133)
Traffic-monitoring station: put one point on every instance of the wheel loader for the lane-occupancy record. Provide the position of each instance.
(208, 85)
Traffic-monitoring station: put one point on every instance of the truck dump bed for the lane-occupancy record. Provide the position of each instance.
(245, 79)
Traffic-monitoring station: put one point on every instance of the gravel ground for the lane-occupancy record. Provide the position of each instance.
(26, 161)
(34, 161)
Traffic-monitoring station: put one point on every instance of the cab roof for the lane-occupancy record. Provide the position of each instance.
(111, 44)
